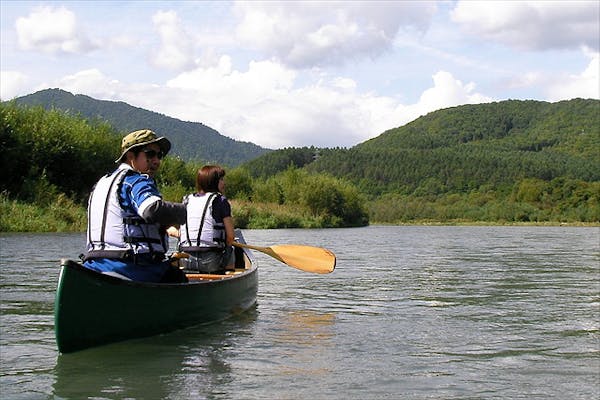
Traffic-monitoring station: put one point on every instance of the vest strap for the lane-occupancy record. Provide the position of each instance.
(126, 256)
(199, 249)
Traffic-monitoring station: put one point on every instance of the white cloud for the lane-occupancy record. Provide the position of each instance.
(307, 34)
(52, 30)
(532, 25)
(91, 82)
(585, 85)
(263, 104)
(448, 91)
(177, 50)
(556, 86)
(11, 84)
(220, 95)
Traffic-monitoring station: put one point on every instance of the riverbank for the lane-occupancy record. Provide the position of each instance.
(63, 215)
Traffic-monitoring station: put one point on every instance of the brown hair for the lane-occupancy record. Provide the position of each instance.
(207, 179)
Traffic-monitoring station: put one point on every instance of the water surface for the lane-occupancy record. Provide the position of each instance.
(410, 312)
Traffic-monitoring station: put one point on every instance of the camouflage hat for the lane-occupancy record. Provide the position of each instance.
(142, 138)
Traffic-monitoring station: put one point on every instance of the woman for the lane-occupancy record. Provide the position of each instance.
(208, 233)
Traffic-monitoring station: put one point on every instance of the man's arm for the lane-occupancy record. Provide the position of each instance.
(165, 213)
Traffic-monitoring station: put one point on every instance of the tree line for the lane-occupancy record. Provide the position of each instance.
(51, 160)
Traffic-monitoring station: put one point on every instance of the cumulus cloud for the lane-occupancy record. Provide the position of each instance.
(224, 85)
(266, 104)
(176, 51)
(584, 85)
(563, 85)
(11, 84)
(306, 34)
(90, 82)
(52, 30)
(532, 25)
(447, 91)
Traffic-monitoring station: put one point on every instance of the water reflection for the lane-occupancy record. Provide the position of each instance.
(304, 337)
(116, 371)
(191, 363)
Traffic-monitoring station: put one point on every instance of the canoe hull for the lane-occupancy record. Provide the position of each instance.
(92, 309)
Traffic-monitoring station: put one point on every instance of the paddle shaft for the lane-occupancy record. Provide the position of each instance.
(266, 250)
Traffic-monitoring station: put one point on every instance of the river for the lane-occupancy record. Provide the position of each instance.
(411, 312)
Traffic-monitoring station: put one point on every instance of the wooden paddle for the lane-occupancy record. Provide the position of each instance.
(305, 258)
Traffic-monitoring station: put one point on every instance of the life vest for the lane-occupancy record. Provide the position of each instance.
(114, 232)
(201, 231)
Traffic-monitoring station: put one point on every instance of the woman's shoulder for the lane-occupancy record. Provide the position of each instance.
(220, 198)
(217, 197)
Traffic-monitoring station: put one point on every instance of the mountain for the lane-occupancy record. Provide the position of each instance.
(191, 140)
(480, 147)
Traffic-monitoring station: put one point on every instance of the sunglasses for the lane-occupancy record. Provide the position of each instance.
(154, 153)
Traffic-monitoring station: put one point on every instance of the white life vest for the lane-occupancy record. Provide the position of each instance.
(114, 232)
(201, 231)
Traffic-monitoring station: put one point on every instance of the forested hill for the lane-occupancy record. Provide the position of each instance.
(470, 147)
(191, 140)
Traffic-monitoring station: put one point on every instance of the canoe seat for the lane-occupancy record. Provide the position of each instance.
(200, 277)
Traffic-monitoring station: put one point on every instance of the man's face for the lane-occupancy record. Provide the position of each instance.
(148, 160)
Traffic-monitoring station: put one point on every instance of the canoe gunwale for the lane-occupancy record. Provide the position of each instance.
(114, 280)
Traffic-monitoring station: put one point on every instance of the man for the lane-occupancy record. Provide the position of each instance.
(127, 216)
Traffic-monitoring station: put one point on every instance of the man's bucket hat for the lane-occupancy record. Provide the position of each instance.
(141, 138)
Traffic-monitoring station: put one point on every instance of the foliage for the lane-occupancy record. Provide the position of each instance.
(238, 183)
(60, 214)
(49, 146)
(253, 215)
(561, 200)
(278, 161)
(338, 203)
(176, 178)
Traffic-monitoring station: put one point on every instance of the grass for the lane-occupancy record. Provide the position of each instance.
(61, 214)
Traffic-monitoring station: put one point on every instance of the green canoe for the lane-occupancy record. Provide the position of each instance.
(92, 309)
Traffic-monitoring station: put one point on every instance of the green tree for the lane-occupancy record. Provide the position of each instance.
(239, 183)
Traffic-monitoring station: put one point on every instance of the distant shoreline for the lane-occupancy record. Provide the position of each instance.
(424, 223)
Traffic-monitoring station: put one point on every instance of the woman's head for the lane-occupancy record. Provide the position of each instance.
(210, 179)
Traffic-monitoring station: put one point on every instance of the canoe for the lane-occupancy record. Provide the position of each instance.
(92, 309)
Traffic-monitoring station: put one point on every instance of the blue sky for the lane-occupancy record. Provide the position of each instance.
(296, 73)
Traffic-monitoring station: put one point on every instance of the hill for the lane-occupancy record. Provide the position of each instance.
(191, 140)
(510, 161)
(465, 148)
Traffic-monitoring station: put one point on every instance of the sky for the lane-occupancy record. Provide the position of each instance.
(301, 73)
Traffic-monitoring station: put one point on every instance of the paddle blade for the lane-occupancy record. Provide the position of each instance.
(306, 258)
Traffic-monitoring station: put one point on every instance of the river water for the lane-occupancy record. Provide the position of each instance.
(410, 312)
